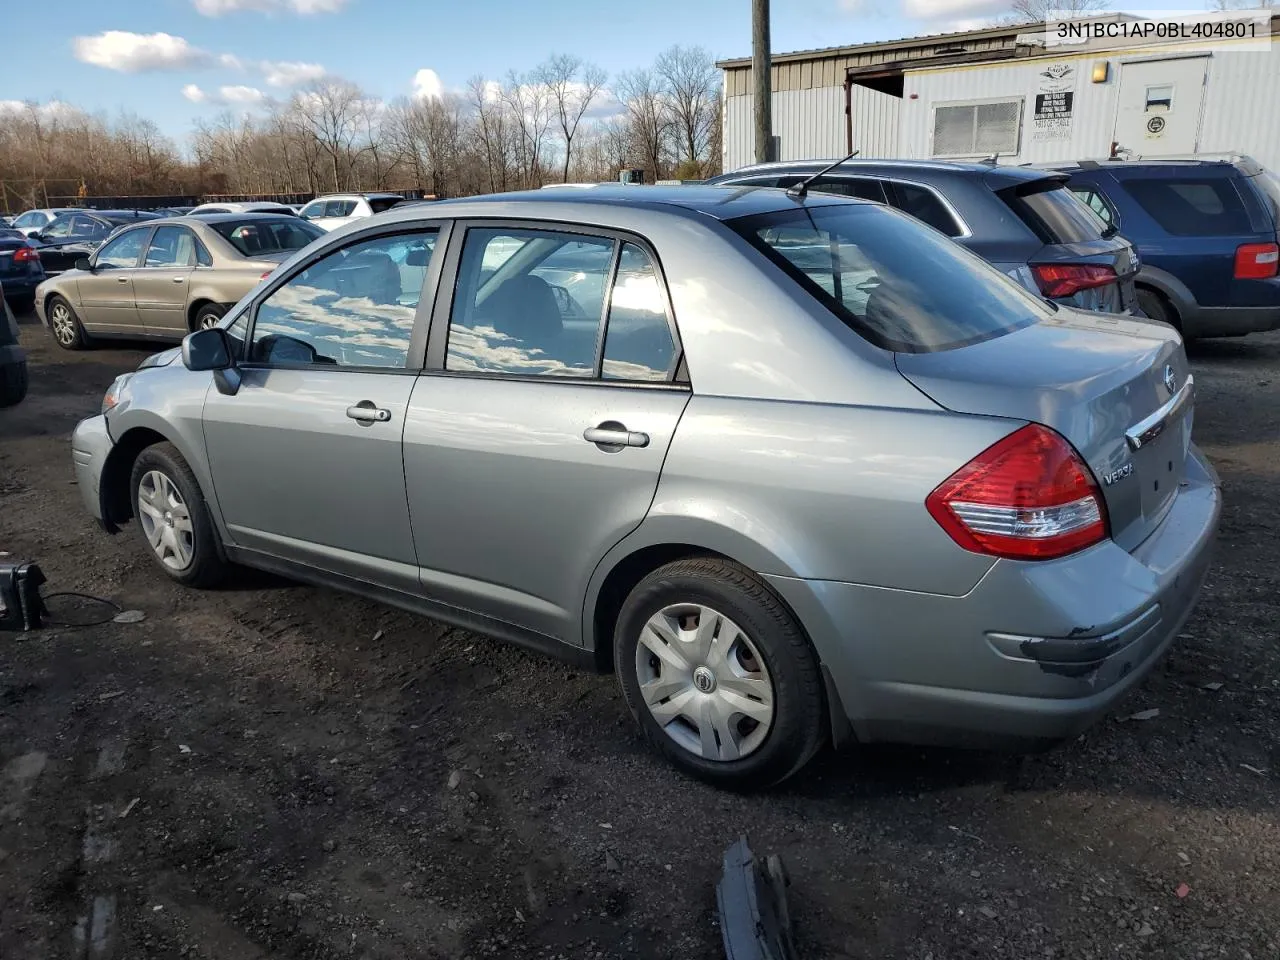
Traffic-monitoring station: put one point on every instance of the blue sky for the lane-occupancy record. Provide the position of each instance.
(105, 55)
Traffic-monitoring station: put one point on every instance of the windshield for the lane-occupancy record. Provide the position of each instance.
(900, 285)
(256, 237)
(1056, 214)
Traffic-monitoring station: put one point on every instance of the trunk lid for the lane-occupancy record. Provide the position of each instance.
(1118, 389)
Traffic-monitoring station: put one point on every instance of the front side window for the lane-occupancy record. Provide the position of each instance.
(122, 252)
(314, 209)
(900, 287)
(352, 308)
(60, 228)
(171, 247)
(256, 237)
(528, 302)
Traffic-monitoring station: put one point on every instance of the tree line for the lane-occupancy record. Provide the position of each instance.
(564, 120)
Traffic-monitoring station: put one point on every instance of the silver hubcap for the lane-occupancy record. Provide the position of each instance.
(704, 682)
(208, 321)
(64, 327)
(166, 521)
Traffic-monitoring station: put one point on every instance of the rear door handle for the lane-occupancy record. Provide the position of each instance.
(122, 279)
(613, 435)
(179, 279)
(366, 412)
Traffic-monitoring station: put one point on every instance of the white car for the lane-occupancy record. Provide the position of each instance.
(256, 206)
(33, 221)
(332, 211)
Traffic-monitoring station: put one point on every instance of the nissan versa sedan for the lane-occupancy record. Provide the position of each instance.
(797, 468)
(167, 277)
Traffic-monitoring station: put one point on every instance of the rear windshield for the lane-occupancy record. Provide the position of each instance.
(383, 203)
(256, 237)
(1056, 215)
(1192, 207)
(899, 285)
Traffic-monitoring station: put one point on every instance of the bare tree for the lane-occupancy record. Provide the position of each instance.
(648, 118)
(330, 108)
(691, 83)
(1037, 11)
(573, 86)
(529, 101)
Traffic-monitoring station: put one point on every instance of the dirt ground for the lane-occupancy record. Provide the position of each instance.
(272, 770)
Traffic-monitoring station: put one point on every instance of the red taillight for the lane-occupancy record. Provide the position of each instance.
(26, 255)
(267, 274)
(1028, 497)
(1257, 261)
(1064, 279)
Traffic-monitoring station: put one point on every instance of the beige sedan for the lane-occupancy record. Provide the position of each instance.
(165, 278)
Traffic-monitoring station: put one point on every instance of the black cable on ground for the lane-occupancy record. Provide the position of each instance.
(116, 608)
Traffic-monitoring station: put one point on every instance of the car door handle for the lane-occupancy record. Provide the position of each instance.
(179, 279)
(122, 279)
(366, 412)
(615, 435)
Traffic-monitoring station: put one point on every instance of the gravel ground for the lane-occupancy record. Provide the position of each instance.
(271, 770)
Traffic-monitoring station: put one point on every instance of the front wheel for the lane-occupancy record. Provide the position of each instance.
(173, 518)
(719, 675)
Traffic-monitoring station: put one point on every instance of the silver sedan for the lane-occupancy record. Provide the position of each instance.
(798, 469)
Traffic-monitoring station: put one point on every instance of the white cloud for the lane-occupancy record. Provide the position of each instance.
(49, 110)
(230, 61)
(290, 73)
(135, 52)
(952, 10)
(227, 96)
(427, 85)
(216, 8)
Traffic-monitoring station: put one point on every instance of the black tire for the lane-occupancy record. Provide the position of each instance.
(207, 316)
(13, 383)
(1155, 306)
(799, 723)
(70, 337)
(206, 566)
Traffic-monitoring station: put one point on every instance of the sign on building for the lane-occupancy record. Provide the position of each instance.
(1054, 103)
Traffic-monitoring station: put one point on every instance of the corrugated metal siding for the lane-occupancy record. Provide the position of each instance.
(1241, 93)
(809, 123)
(875, 123)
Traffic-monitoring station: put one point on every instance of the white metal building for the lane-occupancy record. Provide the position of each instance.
(1002, 91)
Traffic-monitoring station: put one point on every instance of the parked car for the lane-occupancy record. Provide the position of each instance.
(797, 468)
(20, 270)
(336, 209)
(33, 221)
(1206, 232)
(13, 359)
(166, 278)
(72, 236)
(1025, 222)
(174, 211)
(255, 206)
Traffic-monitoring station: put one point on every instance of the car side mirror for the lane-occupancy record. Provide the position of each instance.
(211, 350)
(83, 264)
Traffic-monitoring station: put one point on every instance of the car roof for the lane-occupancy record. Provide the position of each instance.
(718, 202)
(113, 216)
(245, 216)
(1226, 164)
(993, 173)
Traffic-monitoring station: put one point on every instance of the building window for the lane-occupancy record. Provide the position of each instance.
(977, 129)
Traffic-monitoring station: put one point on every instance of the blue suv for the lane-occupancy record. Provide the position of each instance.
(1205, 232)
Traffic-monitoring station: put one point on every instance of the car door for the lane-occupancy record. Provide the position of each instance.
(160, 284)
(536, 435)
(53, 243)
(106, 291)
(306, 455)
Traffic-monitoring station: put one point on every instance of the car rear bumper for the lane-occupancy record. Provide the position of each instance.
(1232, 321)
(90, 446)
(15, 287)
(1033, 654)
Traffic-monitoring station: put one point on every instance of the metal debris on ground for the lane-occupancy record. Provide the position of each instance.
(1252, 769)
(129, 616)
(752, 900)
(1213, 686)
(128, 809)
(1143, 714)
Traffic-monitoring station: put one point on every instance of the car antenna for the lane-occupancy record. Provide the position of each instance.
(802, 188)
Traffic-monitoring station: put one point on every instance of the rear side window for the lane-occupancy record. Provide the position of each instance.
(256, 237)
(1096, 202)
(1269, 186)
(900, 287)
(923, 204)
(1189, 207)
(1055, 214)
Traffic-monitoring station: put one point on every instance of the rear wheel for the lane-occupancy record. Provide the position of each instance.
(1155, 306)
(65, 325)
(208, 316)
(719, 675)
(173, 518)
(13, 383)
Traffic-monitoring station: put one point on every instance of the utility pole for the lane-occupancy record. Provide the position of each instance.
(760, 71)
